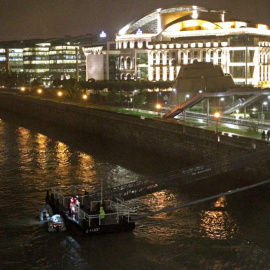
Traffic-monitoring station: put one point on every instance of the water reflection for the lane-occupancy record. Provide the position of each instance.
(218, 225)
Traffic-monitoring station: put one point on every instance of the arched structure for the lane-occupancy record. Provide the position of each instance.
(164, 40)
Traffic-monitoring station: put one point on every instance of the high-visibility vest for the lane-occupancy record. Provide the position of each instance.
(101, 212)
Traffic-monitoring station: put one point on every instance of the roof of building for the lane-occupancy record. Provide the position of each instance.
(182, 18)
(67, 40)
(159, 19)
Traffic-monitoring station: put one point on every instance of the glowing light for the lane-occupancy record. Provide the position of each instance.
(84, 96)
(59, 94)
(158, 106)
(262, 27)
(103, 35)
(195, 14)
(217, 114)
(39, 91)
(22, 89)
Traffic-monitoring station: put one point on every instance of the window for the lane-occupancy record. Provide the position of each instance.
(242, 40)
(238, 72)
(142, 58)
(128, 63)
(204, 56)
(142, 72)
(238, 56)
(219, 57)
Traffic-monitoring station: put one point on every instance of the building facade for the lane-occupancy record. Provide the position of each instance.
(155, 46)
(45, 60)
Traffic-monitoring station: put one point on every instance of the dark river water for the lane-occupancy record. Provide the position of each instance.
(229, 233)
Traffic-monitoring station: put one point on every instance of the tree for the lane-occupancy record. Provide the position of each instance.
(139, 99)
(112, 96)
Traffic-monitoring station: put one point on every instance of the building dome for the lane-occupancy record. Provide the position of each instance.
(160, 19)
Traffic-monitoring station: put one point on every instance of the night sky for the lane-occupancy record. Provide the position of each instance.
(27, 19)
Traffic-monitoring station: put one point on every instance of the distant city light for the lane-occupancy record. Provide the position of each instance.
(59, 94)
(84, 96)
(22, 89)
(39, 91)
(103, 35)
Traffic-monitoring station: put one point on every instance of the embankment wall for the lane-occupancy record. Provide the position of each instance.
(160, 137)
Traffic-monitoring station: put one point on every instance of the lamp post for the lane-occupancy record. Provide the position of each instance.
(186, 97)
(220, 100)
(217, 117)
(263, 104)
(158, 107)
(200, 92)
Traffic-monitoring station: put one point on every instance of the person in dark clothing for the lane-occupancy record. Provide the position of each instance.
(47, 197)
(268, 134)
(263, 135)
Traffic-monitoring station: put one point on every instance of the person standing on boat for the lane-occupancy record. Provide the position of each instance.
(101, 212)
(268, 134)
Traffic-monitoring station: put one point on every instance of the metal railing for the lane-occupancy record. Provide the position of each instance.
(186, 175)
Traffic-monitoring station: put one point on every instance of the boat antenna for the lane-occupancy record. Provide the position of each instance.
(101, 192)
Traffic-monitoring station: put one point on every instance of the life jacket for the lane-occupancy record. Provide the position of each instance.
(101, 212)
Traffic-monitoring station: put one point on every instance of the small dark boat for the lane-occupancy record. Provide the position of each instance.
(86, 217)
(45, 212)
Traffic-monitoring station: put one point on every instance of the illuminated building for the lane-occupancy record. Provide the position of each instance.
(45, 59)
(155, 46)
(102, 61)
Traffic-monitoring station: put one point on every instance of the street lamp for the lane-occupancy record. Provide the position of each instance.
(221, 99)
(158, 107)
(186, 97)
(263, 104)
(200, 92)
(217, 117)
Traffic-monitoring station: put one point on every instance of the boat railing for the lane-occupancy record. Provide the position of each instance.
(107, 219)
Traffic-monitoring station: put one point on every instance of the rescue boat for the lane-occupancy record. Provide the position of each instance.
(89, 217)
